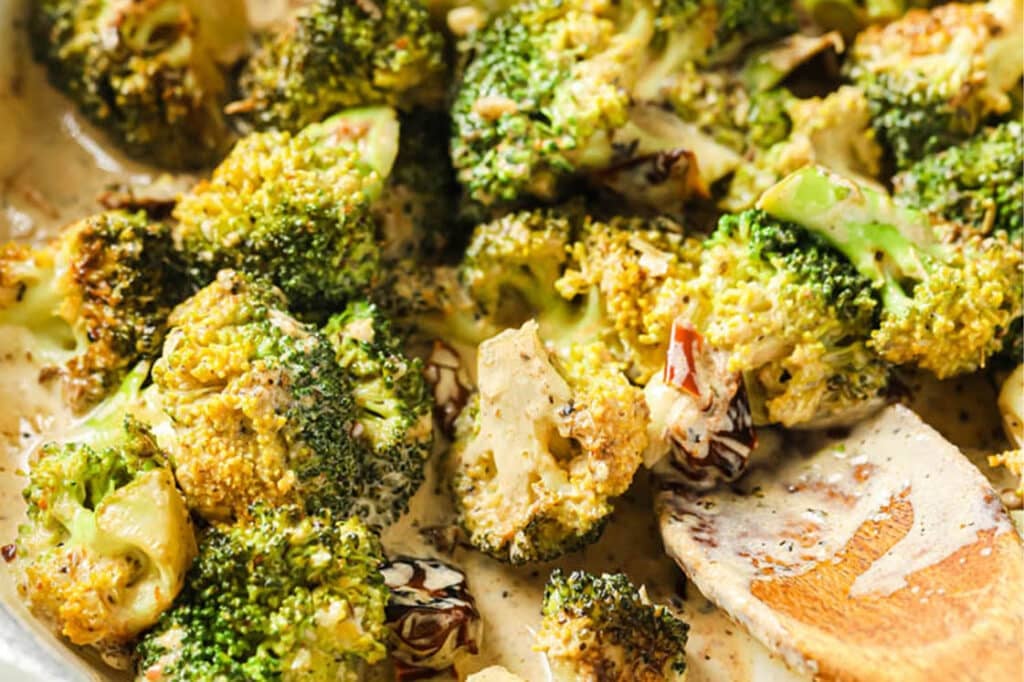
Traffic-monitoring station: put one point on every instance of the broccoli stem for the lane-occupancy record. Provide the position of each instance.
(371, 133)
(887, 244)
(103, 426)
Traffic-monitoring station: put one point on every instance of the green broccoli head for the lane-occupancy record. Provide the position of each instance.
(259, 407)
(393, 408)
(280, 596)
(583, 279)
(339, 54)
(96, 299)
(603, 627)
(976, 183)
(742, 22)
(851, 16)
(541, 91)
(794, 317)
(544, 447)
(295, 208)
(108, 537)
(146, 72)
(934, 76)
(833, 131)
(512, 263)
(553, 91)
(948, 295)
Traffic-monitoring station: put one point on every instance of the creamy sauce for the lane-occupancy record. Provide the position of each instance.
(801, 507)
(52, 167)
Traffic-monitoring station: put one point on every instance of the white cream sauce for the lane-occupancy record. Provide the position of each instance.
(801, 506)
(52, 167)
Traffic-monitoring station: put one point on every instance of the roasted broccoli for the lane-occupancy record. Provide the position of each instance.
(338, 54)
(108, 538)
(850, 16)
(793, 315)
(976, 183)
(604, 628)
(262, 411)
(934, 76)
(544, 446)
(948, 294)
(96, 299)
(393, 410)
(554, 89)
(583, 279)
(146, 72)
(280, 596)
(295, 208)
(833, 131)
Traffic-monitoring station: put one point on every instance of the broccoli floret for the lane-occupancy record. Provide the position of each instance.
(833, 131)
(393, 409)
(583, 279)
(933, 77)
(632, 270)
(948, 294)
(295, 208)
(741, 22)
(96, 299)
(147, 73)
(544, 447)
(108, 538)
(850, 16)
(416, 210)
(553, 90)
(538, 96)
(280, 596)
(338, 54)
(793, 315)
(977, 183)
(603, 627)
(262, 411)
(557, 91)
(511, 264)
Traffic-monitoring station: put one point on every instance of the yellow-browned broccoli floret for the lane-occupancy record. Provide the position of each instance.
(108, 537)
(601, 627)
(948, 295)
(582, 278)
(337, 54)
(636, 268)
(295, 209)
(148, 72)
(934, 76)
(238, 378)
(544, 447)
(282, 595)
(96, 299)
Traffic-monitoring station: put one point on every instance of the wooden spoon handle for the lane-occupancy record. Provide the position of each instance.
(855, 566)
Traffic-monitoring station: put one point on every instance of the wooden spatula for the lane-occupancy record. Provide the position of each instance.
(880, 555)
